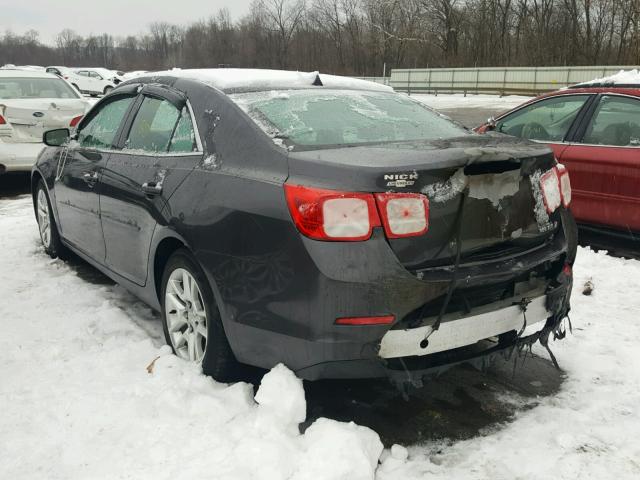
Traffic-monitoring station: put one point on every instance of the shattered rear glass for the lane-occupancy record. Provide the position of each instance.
(312, 118)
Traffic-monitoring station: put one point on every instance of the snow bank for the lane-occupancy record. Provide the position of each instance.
(89, 390)
(77, 401)
(623, 77)
(263, 79)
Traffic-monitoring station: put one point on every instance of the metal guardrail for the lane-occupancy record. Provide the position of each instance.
(510, 80)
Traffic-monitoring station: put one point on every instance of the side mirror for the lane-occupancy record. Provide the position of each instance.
(56, 138)
(491, 123)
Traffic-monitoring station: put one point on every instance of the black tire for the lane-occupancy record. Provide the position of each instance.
(55, 248)
(219, 361)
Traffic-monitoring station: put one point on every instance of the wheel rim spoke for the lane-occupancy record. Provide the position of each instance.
(177, 325)
(191, 346)
(177, 304)
(202, 331)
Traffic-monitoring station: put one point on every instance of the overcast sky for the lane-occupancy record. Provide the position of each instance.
(117, 17)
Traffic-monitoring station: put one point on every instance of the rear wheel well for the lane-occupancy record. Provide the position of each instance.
(164, 250)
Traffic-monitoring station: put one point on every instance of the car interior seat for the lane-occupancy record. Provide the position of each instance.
(618, 134)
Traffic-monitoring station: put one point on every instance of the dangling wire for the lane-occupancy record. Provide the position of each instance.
(454, 278)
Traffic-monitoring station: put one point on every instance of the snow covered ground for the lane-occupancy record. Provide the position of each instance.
(458, 100)
(82, 398)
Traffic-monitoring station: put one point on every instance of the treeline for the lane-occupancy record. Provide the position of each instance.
(358, 37)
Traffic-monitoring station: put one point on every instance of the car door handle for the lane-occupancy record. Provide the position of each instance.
(90, 177)
(152, 188)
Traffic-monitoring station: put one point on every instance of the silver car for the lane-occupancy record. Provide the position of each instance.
(32, 102)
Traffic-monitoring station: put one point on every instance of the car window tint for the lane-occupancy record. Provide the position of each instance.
(313, 119)
(153, 126)
(615, 122)
(184, 138)
(101, 130)
(546, 120)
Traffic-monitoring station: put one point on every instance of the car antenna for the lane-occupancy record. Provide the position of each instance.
(317, 82)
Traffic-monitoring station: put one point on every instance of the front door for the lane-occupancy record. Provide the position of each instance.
(78, 177)
(157, 154)
(604, 166)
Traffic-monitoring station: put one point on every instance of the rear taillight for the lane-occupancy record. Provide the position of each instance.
(403, 214)
(2, 120)
(348, 216)
(550, 190)
(330, 214)
(556, 188)
(565, 185)
(75, 121)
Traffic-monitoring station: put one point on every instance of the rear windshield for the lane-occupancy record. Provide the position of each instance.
(310, 119)
(17, 87)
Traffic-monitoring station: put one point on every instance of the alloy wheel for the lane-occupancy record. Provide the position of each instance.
(186, 316)
(44, 223)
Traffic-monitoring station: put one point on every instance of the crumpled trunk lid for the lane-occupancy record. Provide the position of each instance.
(488, 186)
(30, 118)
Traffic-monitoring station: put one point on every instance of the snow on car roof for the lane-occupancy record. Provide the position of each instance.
(17, 72)
(623, 77)
(262, 79)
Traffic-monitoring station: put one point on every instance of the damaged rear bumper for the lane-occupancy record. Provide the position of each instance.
(503, 333)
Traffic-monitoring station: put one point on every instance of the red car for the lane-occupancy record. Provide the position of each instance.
(594, 130)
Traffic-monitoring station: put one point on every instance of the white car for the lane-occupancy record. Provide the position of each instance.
(97, 81)
(79, 83)
(31, 103)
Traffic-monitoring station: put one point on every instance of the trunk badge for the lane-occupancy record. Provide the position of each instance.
(38, 114)
(400, 180)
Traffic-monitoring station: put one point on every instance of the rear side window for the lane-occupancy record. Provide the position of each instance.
(26, 87)
(101, 129)
(160, 127)
(547, 120)
(615, 122)
(184, 138)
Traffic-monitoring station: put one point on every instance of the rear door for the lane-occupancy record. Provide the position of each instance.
(550, 120)
(80, 167)
(605, 165)
(158, 149)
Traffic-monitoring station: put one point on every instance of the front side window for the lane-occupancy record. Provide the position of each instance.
(101, 129)
(310, 119)
(547, 120)
(616, 122)
(95, 75)
(25, 87)
(153, 126)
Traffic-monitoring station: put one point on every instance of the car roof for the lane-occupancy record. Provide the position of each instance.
(249, 79)
(17, 73)
(618, 89)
